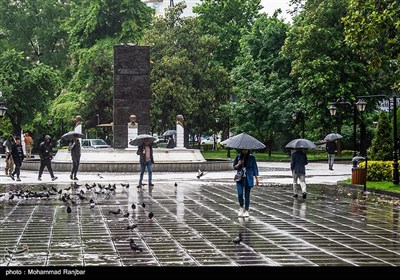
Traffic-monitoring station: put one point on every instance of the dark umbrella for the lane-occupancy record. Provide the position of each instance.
(301, 143)
(243, 141)
(332, 137)
(138, 140)
(169, 133)
(70, 135)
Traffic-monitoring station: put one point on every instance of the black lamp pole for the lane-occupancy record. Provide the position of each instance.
(395, 154)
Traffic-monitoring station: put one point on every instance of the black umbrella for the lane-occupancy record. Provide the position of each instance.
(138, 140)
(169, 133)
(70, 135)
(301, 143)
(333, 137)
(243, 141)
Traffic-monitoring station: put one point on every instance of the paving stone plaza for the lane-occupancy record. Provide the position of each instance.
(195, 221)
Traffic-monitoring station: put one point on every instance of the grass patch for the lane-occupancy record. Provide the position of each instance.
(382, 185)
(275, 156)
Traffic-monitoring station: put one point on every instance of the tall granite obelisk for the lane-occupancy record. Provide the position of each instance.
(131, 91)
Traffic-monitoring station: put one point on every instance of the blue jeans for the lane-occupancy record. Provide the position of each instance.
(246, 188)
(331, 158)
(143, 166)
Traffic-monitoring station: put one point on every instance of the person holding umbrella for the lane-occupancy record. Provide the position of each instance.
(331, 150)
(246, 165)
(145, 151)
(298, 166)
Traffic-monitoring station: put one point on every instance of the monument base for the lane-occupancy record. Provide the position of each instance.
(126, 160)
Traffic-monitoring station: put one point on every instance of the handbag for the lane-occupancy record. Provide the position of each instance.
(238, 176)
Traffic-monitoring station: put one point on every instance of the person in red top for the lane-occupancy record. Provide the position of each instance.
(28, 145)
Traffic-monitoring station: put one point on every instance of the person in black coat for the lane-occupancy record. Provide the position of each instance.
(75, 148)
(331, 150)
(46, 155)
(298, 166)
(17, 154)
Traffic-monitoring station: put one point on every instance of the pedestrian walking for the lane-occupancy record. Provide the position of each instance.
(17, 154)
(145, 151)
(46, 155)
(28, 145)
(331, 150)
(75, 148)
(298, 164)
(246, 165)
(7, 150)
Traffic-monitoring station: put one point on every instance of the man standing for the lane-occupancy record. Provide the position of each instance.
(46, 155)
(331, 150)
(18, 156)
(145, 151)
(75, 148)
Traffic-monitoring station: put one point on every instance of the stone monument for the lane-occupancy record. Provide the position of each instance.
(131, 91)
(179, 132)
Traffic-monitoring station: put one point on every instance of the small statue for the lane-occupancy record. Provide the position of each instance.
(179, 120)
(132, 123)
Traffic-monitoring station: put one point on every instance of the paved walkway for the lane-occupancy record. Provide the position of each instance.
(195, 221)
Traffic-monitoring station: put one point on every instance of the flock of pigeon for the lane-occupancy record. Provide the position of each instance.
(78, 194)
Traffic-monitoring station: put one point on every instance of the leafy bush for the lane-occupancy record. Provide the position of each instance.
(379, 170)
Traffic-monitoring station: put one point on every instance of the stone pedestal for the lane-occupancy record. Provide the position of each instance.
(179, 136)
(132, 133)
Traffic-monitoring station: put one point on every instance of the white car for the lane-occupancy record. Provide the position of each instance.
(94, 143)
(210, 140)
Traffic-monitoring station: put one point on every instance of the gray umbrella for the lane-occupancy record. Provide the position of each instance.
(243, 141)
(70, 135)
(138, 140)
(301, 143)
(169, 133)
(333, 137)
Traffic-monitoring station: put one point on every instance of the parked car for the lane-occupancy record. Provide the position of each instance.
(94, 143)
(210, 140)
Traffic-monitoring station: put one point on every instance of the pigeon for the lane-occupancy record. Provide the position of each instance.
(133, 206)
(69, 210)
(115, 212)
(126, 215)
(133, 246)
(237, 239)
(54, 189)
(92, 204)
(67, 189)
(151, 215)
(101, 177)
(11, 197)
(132, 226)
(143, 205)
(60, 191)
(200, 174)
(176, 184)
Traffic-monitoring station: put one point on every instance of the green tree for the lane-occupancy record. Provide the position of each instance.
(228, 20)
(323, 66)
(94, 27)
(26, 87)
(34, 27)
(262, 82)
(382, 146)
(184, 79)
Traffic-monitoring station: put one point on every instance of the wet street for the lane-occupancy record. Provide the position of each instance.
(194, 224)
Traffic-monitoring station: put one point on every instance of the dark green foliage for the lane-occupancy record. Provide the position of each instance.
(382, 145)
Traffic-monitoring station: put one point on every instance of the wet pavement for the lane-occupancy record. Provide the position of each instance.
(195, 221)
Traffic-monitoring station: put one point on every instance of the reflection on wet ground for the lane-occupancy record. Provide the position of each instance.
(194, 224)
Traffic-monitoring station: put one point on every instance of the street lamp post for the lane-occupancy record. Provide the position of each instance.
(332, 111)
(395, 146)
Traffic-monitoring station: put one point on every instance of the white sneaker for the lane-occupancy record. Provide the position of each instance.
(246, 214)
(240, 212)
